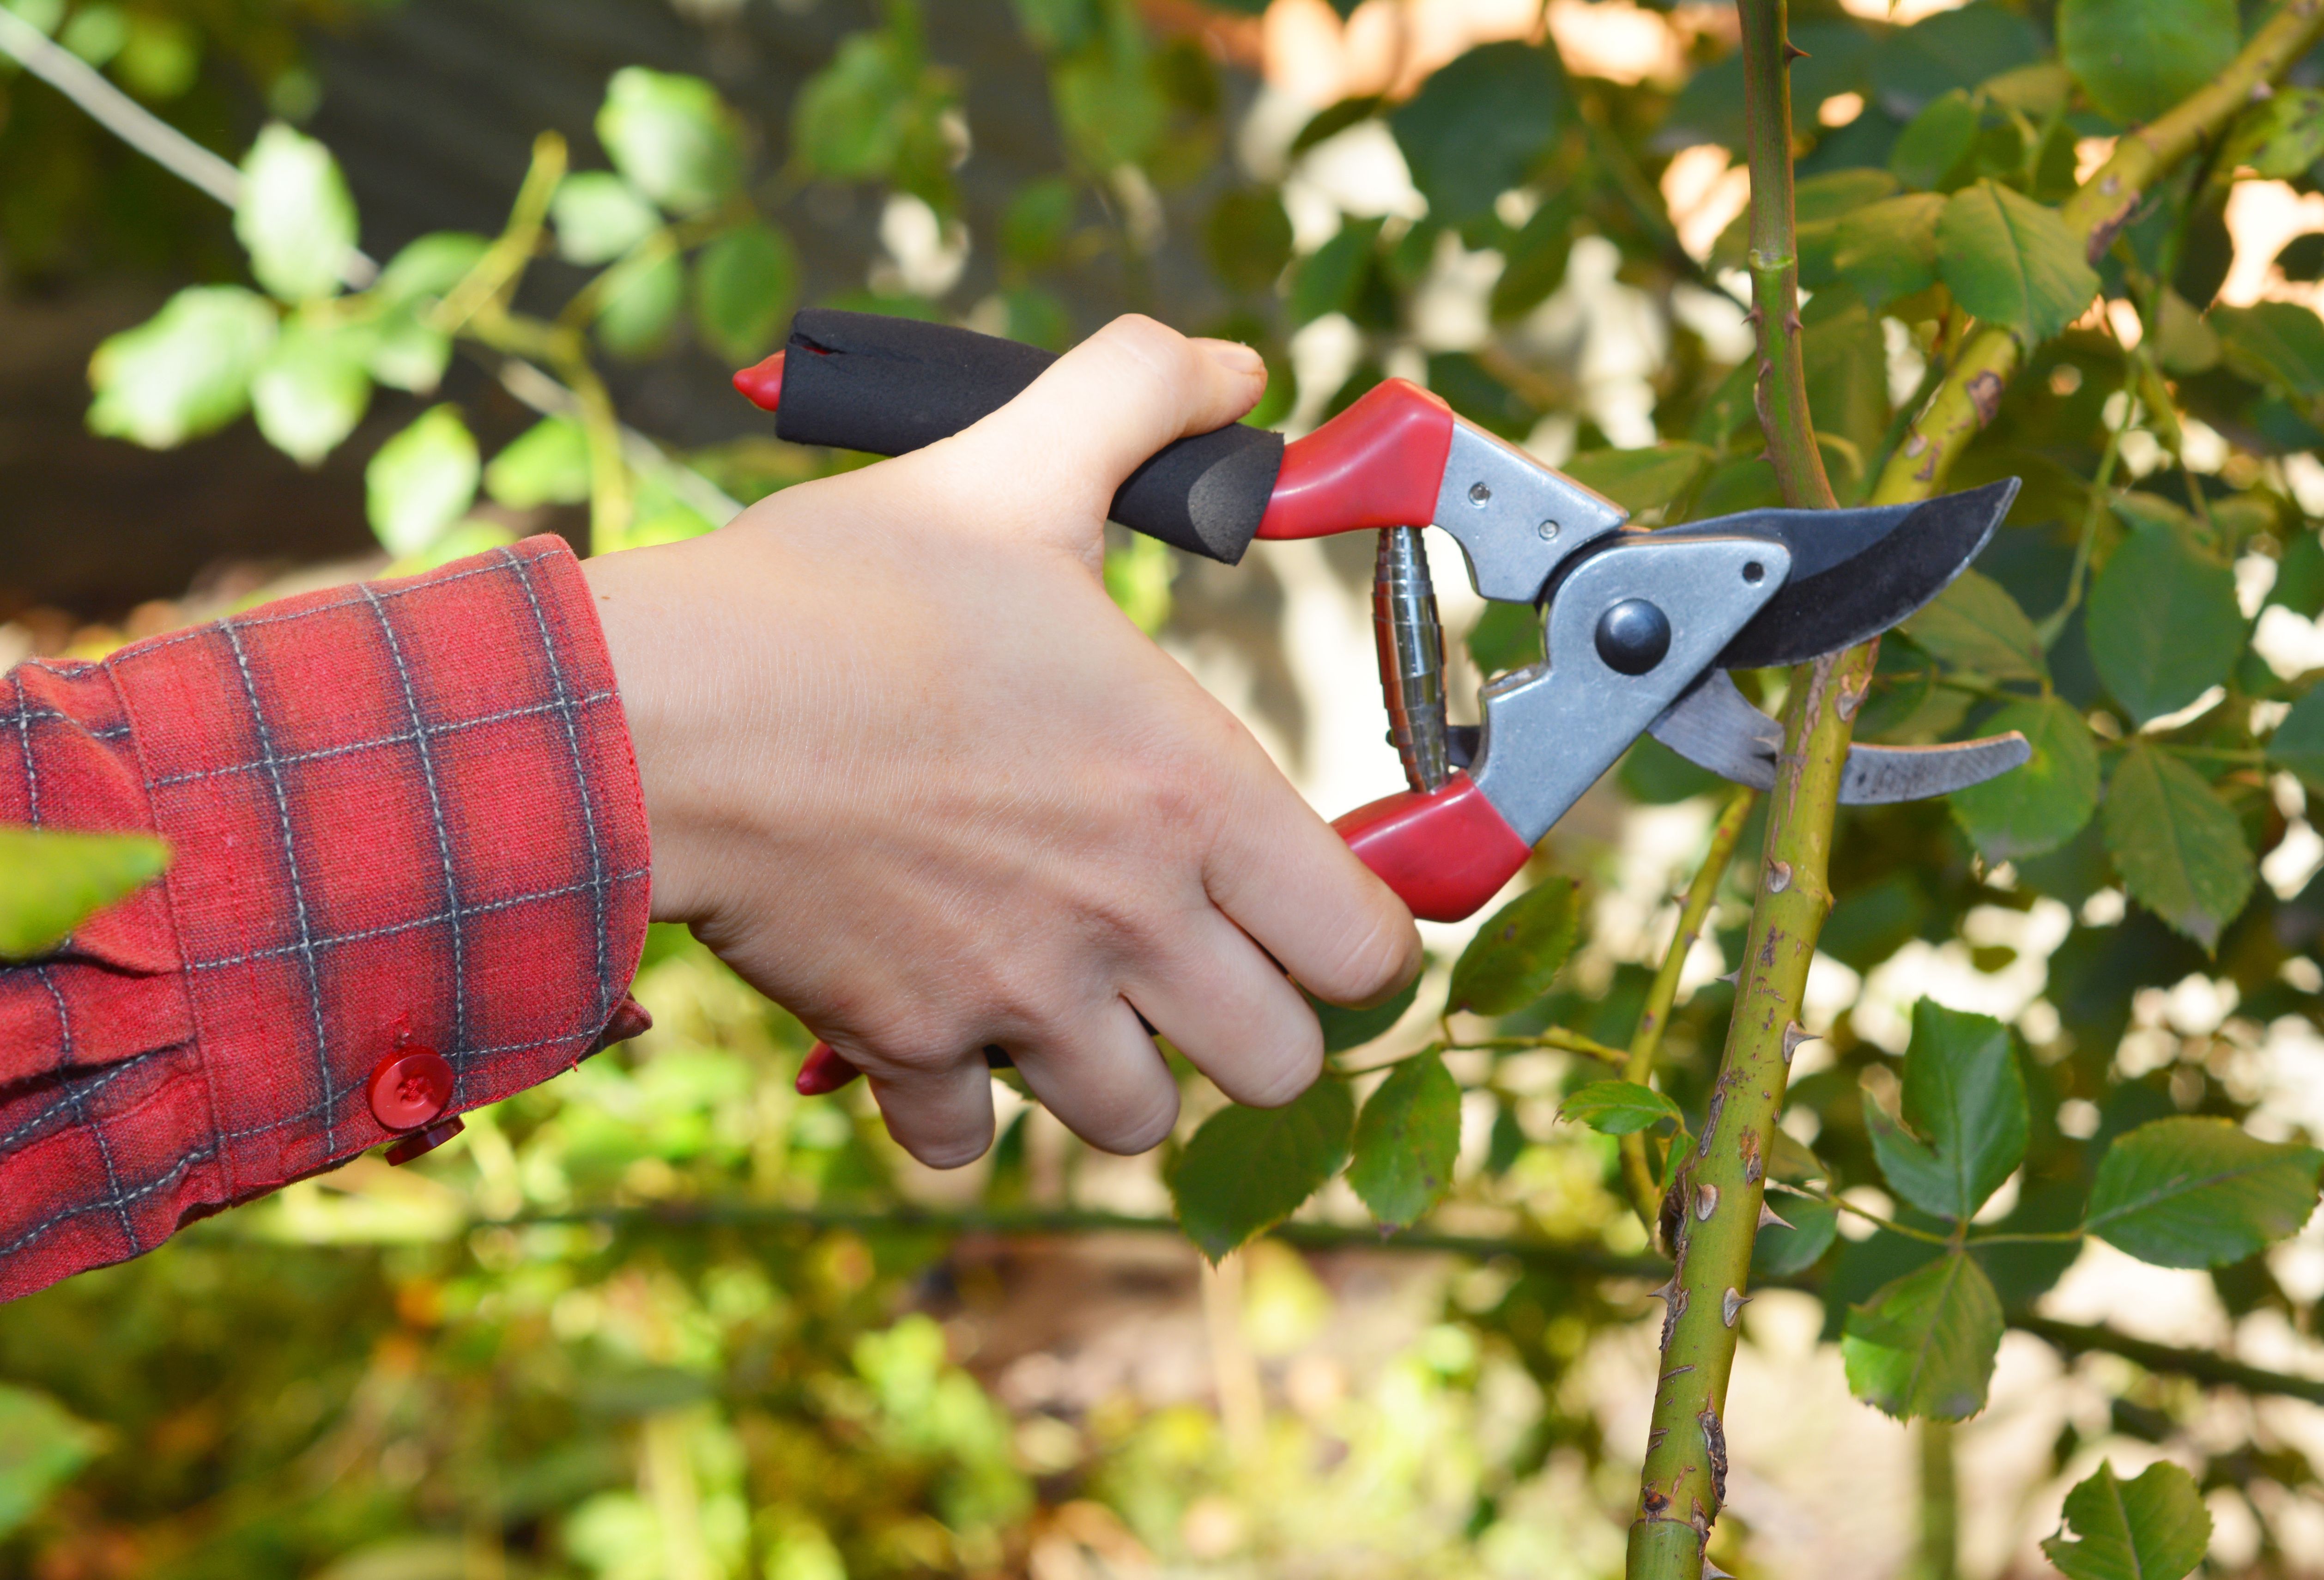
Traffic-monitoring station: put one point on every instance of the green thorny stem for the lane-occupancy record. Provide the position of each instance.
(1712, 1218)
(1710, 1215)
(1640, 1175)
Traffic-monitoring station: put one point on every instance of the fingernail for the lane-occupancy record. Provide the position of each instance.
(1236, 358)
(824, 1071)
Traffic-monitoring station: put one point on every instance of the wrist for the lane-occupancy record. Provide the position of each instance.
(644, 616)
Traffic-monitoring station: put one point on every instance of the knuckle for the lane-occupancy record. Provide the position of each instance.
(1140, 1128)
(1297, 1067)
(1373, 960)
(1164, 354)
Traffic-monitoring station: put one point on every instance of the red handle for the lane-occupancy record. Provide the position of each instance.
(1377, 464)
(1445, 852)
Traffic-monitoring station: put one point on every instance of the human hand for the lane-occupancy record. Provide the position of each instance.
(911, 774)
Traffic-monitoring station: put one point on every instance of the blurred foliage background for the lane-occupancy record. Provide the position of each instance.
(485, 270)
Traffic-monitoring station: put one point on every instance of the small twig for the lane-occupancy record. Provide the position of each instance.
(1926, 1236)
(1583, 1257)
(1640, 1175)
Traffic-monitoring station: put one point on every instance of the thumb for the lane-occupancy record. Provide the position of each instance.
(1099, 412)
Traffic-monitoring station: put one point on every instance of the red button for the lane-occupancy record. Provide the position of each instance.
(408, 1087)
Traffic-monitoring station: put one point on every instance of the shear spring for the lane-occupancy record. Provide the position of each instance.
(1411, 641)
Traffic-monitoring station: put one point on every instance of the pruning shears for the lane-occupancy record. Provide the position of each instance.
(1640, 628)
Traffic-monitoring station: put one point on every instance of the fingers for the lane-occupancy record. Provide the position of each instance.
(1122, 394)
(1106, 1079)
(1290, 882)
(1230, 1010)
(938, 1111)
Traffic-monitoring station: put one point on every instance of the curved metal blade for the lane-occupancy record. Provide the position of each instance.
(1715, 726)
(1855, 573)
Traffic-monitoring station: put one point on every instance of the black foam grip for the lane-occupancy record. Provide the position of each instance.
(863, 381)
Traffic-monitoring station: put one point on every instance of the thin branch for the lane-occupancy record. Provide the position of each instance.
(1781, 393)
(1640, 1177)
(1584, 1257)
(2204, 1366)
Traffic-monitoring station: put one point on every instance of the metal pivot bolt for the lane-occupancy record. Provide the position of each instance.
(1411, 656)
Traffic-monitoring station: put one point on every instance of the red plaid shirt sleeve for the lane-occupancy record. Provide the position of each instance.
(404, 814)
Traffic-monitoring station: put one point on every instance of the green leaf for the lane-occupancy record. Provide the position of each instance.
(1344, 1029)
(1965, 1098)
(1820, 203)
(1248, 1169)
(744, 284)
(1331, 278)
(1476, 126)
(2190, 1192)
(1778, 1252)
(2298, 742)
(1934, 146)
(1407, 1142)
(843, 123)
(2138, 58)
(2280, 137)
(405, 353)
(598, 217)
(2035, 809)
(2152, 1526)
(643, 295)
(2010, 261)
(41, 1447)
(430, 266)
(1040, 218)
(1890, 250)
(50, 880)
(1644, 479)
(1112, 112)
(297, 218)
(184, 372)
(1055, 26)
(2164, 626)
(2279, 344)
(421, 481)
(312, 389)
(1248, 238)
(1975, 624)
(2180, 849)
(1617, 1108)
(1925, 1344)
(673, 136)
(1516, 955)
(547, 464)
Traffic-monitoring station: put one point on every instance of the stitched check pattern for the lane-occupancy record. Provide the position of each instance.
(404, 810)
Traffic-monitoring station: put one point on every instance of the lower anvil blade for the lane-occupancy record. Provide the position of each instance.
(1715, 726)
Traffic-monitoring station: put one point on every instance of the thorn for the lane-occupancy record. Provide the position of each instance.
(1779, 877)
(1730, 1304)
(1663, 1290)
(1793, 1035)
(1733, 978)
(1706, 1202)
(1711, 1571)
(1792, 51)
(1769, 1214)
